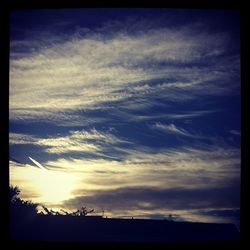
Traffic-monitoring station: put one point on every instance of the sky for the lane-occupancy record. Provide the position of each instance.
(134, 112)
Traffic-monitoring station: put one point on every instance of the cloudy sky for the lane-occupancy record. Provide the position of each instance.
(134, 111)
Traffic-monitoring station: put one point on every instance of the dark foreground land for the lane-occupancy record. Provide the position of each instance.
(98, 229)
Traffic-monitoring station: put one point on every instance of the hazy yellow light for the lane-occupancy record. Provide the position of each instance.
(54, 187)
(48, 187)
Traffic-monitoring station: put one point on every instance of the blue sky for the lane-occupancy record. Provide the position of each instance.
(141, 106)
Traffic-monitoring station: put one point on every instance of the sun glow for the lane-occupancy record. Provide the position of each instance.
(54, 187)
(46, 187)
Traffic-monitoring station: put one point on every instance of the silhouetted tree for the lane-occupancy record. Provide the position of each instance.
(20, 209)
(48, 212)
(13, 193)
(80, 212)
(65, 212)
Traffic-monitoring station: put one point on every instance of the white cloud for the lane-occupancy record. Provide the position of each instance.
(17, 138)
(131, 116)
(187, 167)
(94, 134)
(54, 116)
(235, 132)
(182, 168)
(67, 144)
(87, 72)
(171, 129)
(192, 114)
(85, 141)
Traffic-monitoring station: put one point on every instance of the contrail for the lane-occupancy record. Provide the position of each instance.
(38, 164)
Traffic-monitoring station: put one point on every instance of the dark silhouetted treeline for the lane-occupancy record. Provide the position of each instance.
(28, 224)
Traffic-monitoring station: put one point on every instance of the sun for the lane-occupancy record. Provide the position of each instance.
(54, 186)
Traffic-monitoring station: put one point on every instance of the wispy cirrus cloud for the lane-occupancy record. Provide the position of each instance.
(178, 168)
(131, 114)
(235, 132)
(105, 70)
(187, 167)
(171, 129)
(19, 138)
(91, 141)
(202, 176)
(80, 141)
